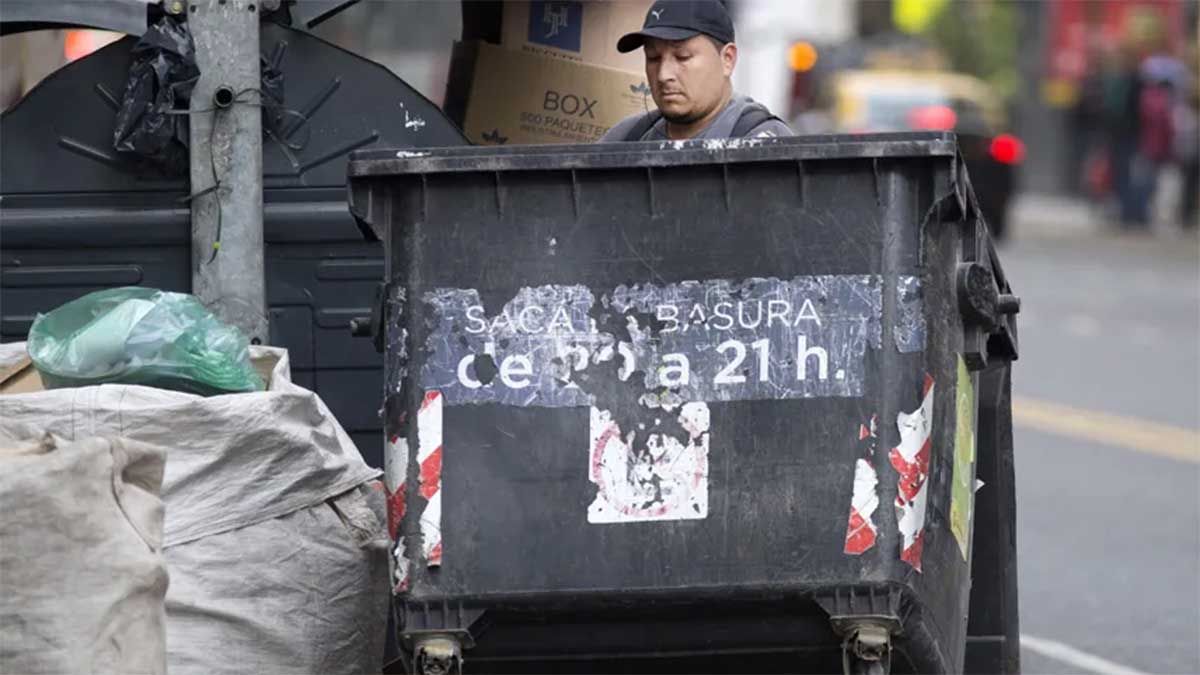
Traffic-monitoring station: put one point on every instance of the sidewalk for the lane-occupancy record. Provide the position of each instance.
(1034, 216)
(1037, 216)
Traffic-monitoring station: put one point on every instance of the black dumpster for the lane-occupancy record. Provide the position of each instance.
(704, 406)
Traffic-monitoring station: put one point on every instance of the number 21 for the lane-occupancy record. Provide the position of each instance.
(729, 374)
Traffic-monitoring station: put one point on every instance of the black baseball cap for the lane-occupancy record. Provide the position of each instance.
(681, 20)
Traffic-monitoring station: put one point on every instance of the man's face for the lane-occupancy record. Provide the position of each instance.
(688, 77)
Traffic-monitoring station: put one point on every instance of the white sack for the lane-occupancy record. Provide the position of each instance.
(278, 558)
(82, 575)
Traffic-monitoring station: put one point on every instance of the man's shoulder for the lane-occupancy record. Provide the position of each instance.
(748, 110)
(621, 130)
(772, 128)
(768, 128)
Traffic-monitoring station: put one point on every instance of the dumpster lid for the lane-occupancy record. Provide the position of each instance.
(651, 154)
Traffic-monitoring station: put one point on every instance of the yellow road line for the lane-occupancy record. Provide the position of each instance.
(1135, 434)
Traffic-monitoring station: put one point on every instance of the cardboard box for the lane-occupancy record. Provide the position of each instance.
(20, 377)
(500, 96)
(584, 31)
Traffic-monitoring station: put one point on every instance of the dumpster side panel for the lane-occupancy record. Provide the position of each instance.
(993, 645)
(945, 569)
(828, 240)
(662, 382)
(766, 501)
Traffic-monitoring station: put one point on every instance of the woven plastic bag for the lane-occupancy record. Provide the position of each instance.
(82, 568)
(141, 336)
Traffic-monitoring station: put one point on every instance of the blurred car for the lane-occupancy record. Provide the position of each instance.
(868, 101)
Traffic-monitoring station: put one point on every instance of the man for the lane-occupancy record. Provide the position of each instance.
(690, 57)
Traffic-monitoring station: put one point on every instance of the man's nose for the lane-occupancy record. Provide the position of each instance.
(667, 71)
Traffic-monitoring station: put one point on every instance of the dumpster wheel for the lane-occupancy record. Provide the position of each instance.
(438, 656)
(867, 650)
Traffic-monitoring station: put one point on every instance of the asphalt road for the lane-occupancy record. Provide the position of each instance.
(1108, 461)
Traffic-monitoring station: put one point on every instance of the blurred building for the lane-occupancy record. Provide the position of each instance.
(1039, 55)
(767, 31)
(412, 38)
(26, 58)
(1079, 42)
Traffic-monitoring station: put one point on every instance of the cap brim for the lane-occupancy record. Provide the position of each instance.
(632, 41)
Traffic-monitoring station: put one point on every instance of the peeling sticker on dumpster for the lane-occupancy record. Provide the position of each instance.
(911, 460)
(910, 322)
(716, 340)
(527, 354)
(395, 470)
(755, 339)
(401, 576)
(664, 478)
(429, 462)
(963, 486)
(396, 334)
(861, 531)
(395, 476)
(395, 482)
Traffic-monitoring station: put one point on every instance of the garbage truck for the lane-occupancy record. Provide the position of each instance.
(723, 406)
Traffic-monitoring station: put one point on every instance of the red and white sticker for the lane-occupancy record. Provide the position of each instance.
(667, 479)
(861, 531)
(911, 460)
(429, 459)
(395, 476)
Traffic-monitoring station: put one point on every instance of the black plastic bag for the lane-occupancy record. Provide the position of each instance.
(159, 88)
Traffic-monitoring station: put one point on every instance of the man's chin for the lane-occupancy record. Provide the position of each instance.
(677, 116)
(673, 107)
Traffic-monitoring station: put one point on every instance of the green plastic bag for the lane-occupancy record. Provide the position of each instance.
(141, 336)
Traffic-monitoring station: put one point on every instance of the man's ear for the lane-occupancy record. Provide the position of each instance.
(729, 55)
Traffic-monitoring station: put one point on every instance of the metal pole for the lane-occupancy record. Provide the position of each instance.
(226, 165)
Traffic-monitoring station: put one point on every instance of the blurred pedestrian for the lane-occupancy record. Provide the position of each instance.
(1187, 153)
(1187, 137)
(1155, 146)
(1122, 91)
(1087, 131)
(1088, 143)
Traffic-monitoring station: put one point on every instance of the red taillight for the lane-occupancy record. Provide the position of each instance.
(1007, 149)
(932, 118)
